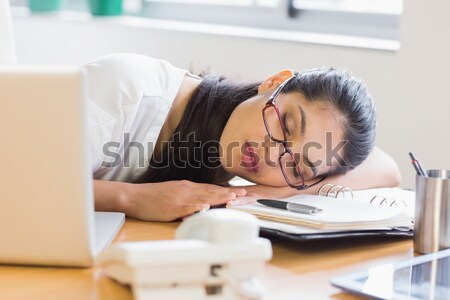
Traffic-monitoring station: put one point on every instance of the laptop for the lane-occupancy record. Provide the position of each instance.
(46, 198)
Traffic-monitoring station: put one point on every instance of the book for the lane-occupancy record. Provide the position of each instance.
(382, 211)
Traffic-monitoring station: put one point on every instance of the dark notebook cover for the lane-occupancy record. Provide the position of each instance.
(333, 235)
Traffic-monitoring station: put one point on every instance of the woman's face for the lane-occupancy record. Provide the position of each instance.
(315, 136)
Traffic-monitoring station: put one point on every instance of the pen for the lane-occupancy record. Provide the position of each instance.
(420, 171)
(294, 207)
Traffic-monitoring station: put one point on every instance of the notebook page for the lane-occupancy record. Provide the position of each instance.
(403, 198)
(337, 214)
(299, 229)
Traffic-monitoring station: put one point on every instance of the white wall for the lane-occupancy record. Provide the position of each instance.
(7, 51)
(409, 86)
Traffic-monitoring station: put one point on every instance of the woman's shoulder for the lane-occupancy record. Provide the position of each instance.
(125, 62)
(129, 95)
(131, 71)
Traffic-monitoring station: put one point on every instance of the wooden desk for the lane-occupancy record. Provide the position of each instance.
(295, 270)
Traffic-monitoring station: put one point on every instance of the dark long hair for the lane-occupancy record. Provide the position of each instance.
(349, 97)
(193, 150)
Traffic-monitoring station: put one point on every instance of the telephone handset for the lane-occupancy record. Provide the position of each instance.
(216, 255)
(219, 226)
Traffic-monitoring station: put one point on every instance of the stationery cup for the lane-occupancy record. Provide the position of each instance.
(432, 212)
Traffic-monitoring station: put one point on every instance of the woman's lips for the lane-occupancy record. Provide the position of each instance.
(250, 159)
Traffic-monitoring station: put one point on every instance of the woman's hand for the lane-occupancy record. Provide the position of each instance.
(170, 200)
(259, 191)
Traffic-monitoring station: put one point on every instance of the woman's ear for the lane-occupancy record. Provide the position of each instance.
(273, 81)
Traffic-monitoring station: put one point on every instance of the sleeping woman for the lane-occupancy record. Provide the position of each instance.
(165, 143)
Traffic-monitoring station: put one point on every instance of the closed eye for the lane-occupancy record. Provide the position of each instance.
(285, 124)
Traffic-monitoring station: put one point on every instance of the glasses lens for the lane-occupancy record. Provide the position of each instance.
(273, 123)
(291, 170)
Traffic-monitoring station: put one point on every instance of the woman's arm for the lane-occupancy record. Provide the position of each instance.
(378, 170)
(161, 201)
(111, 195)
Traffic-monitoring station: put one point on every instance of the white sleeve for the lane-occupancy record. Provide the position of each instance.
(117, 85)
(100, 131)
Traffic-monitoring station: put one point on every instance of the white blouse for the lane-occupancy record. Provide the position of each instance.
(129, 97)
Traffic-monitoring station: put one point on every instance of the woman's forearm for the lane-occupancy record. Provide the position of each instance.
(111, 195)
(378, 170)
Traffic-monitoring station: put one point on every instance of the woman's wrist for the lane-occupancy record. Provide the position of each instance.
(113, 196)
(126, 192)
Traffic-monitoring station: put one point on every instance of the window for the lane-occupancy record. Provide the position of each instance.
(361, 18)
(80, 5)
(366, 6)
(361, 22)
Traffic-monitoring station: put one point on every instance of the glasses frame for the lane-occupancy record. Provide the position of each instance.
(273, 103)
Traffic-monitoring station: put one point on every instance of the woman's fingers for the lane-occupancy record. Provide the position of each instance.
(215, 189)
(189, 209)
(264, 191)
(255, 192)
(241, 201)
(238, 191)
(216, 199)
(216, 195)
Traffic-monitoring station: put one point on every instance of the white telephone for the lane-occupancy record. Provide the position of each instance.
(216, 255)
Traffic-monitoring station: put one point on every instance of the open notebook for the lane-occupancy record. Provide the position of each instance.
(384, 211)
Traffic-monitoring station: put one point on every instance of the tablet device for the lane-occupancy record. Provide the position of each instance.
(419, 278)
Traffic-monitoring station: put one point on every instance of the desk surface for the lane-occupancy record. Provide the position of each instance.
(296, 268)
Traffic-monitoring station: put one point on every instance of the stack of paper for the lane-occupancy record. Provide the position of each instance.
(355, 215)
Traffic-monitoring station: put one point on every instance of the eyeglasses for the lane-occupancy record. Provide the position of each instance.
(277, 132)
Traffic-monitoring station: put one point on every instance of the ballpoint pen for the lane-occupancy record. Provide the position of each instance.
(416, 164)
(294, 207)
